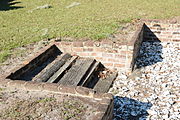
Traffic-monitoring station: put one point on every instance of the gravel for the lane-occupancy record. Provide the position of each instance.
(155, 94)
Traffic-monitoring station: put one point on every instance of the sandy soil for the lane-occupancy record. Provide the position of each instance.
(31, 105)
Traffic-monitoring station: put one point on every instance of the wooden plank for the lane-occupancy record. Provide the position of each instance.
(51, 68)
(90, 74)
(103, 85)
(76, 72)
(61, 71)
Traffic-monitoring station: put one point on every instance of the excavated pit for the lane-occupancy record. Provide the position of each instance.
(53, 66)
(139, 95)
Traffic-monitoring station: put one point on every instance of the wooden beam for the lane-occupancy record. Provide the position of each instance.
(76, 73)
(51, 68)
(62, 70)
(103, 85)
(90, 74)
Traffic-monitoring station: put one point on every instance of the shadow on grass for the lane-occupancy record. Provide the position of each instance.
(8, 5)
(130, 109)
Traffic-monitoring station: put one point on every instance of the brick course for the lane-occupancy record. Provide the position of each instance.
(112, 55)
(165, 31)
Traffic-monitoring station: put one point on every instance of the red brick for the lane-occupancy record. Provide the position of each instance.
(77, 49)
(83, 54)
(120, 56)
(123, 52)
(166, 32)
(165, 40)
(63, 43)
(74, 53)
(96, 54)
(176, 40)
(169, 36)
(102, 59)
(119, 65)
(57, 44)
(87, 49)
(129, 52)
(113, 60)
(89, 43)
(108, 64)
(77, 44)
(176, 36)
(107, 55)
(112, 51)
(97, 49)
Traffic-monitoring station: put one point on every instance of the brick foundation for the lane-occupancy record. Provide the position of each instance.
(113, 55)
(119, 56)
(165, 31)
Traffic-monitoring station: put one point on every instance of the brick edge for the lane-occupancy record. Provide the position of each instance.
(104, 99)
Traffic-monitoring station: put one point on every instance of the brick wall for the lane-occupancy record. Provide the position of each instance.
(112, 55)
(119, 56)
(165, 31)
(123, 56)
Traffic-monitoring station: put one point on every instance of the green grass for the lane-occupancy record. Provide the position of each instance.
(92, 19)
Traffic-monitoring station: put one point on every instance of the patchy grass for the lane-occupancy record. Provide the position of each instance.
(21, 23)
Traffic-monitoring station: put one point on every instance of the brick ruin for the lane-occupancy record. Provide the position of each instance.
(118, 56)
(122, 56)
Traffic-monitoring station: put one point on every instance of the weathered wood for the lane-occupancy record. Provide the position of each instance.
(62, 70)
(103, 85)
(76, 72)
(50, 69)
(89, 76)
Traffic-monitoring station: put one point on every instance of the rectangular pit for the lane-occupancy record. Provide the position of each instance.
(53, 66)
(112, 55)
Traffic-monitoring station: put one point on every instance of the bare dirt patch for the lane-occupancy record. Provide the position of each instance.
(31, 105)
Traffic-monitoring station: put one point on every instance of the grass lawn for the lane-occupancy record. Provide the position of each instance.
(21, 23)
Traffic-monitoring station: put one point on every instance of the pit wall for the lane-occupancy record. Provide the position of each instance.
(154, 30)
(32, 63)
(163, 30)
(112, 55)
(120, 56)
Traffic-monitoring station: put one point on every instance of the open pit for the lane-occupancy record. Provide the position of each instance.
(147, 85)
